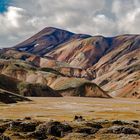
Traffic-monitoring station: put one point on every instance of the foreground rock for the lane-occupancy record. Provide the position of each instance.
(56, 129)
(83, 130)
(9, 97)
(123, 130)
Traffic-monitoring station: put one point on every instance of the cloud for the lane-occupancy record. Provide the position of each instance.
(106, 17)
(15, 25)
(131, 22)
(127, 14)
(9, 22)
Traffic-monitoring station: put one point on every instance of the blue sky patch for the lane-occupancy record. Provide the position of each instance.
(4, 5)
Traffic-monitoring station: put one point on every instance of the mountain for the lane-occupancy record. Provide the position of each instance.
(113, 63)
(47, 40)
(118, 71)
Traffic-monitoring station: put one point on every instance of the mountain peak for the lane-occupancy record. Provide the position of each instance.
(54, 29)
(46, 40)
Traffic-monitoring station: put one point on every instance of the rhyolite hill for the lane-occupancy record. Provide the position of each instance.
(69, 64)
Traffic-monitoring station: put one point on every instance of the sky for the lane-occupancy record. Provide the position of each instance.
(20, 19)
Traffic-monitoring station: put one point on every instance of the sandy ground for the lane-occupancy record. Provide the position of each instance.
(65, 108)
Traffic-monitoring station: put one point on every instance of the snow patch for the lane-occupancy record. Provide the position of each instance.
(23, 49)
(36, 45)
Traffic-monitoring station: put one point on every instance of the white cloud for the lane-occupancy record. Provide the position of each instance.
(127, 13)
(105, 17)
(15, 25)
(131, 22)
(104, 24)
(10, 19)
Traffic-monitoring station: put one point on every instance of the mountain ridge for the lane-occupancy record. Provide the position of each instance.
(107, 61)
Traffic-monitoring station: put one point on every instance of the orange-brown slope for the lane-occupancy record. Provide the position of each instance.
(130, 90)
(81, 53)
(46, 64)
(120, 66)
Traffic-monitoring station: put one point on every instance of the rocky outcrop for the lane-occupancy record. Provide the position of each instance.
(54, 130)
(9, 97)
(37, 90)
(25, 89)
(78, 87)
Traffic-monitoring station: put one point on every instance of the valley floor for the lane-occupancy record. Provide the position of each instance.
(67, 107)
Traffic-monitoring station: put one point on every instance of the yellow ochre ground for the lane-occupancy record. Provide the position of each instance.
(67, 107)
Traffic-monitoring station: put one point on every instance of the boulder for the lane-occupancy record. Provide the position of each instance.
(20, 126)
(123, 129)
(54, 128)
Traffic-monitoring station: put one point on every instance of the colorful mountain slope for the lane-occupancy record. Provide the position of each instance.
(34, 81)
(111, 62)
(47, 40)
